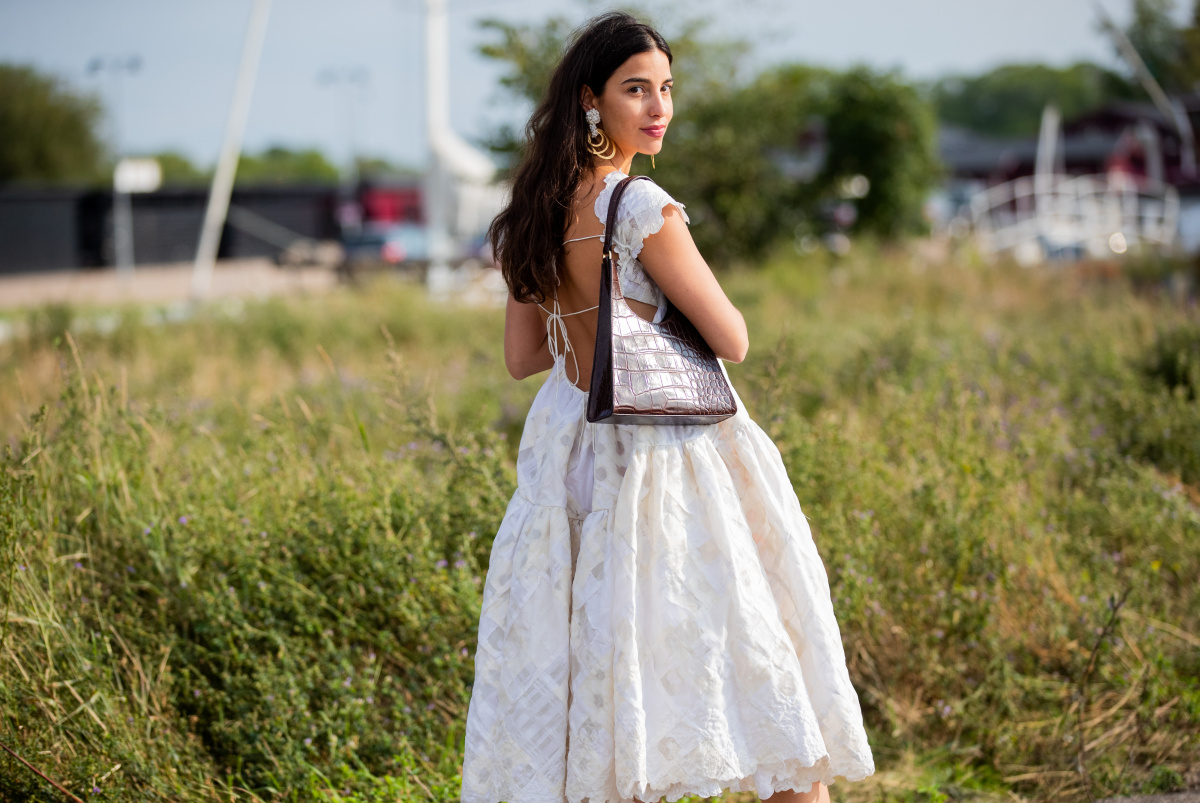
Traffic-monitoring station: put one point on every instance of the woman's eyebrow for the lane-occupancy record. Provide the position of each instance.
(645, 81)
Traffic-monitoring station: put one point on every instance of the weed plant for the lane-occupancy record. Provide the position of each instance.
(244, 552)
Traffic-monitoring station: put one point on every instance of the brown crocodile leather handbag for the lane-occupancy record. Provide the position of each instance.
(650, 373)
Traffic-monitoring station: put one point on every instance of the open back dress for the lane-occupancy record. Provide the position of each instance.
(656, 620)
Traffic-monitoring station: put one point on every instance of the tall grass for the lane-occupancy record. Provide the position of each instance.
(244, 552)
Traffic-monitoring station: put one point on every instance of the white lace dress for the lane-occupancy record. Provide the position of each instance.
(656, 619)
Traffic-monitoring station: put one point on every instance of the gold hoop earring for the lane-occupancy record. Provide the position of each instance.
(651, 161)
(601, 146)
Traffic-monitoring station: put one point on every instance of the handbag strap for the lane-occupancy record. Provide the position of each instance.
(610, 226)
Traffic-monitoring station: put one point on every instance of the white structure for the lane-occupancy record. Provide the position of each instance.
(460, 199)
(1054, 215)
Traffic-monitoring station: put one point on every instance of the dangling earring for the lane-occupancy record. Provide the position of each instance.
(598, 142)
(651, 161)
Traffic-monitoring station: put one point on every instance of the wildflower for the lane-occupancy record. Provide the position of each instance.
(346, 683)
(464, 652)
(441, 564)
(429, 707)
(195, 692)
(183, 519)
(95, 789)
(370, 700)
(130, 569)
(870, 580)
(183, 583)
(1083, 598)
(263, 534)
(261, 584)
(370, 656)
(409, 556)
(947, 710)
(939, 633)
(308, 741)
(460, 564)
(472, 534)
(78, 565)
(270, 697)
(146, 531)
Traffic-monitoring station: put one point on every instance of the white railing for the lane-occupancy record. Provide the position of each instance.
(1060, 216)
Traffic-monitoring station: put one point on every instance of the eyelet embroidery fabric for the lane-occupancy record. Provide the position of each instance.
(656, 619)
(640, 216)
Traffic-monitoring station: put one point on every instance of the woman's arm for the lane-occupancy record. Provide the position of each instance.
(673, 262)
(526, 351)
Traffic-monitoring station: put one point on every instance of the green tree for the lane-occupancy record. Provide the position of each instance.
(180, 171)
(1008, 100)
(879, 127)
(1157, 40)
(279, 165)
(47, 132)
(1189, 63)
(730, 136)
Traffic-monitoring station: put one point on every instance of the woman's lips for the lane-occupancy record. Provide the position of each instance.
(655, 130)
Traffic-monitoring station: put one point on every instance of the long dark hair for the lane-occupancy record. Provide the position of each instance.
(527, 236)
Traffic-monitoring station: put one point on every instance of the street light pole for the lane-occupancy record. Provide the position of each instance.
(350, 81)
(122, 202)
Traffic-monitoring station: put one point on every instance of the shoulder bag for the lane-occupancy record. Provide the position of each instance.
(650, 373)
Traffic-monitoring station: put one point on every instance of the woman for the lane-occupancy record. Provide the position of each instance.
(656, 620)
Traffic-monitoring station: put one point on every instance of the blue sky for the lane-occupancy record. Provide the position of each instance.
(190, 49)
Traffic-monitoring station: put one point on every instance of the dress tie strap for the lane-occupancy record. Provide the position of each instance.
(556, 333)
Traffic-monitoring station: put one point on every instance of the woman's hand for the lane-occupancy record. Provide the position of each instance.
(673, 262)
(526, 351)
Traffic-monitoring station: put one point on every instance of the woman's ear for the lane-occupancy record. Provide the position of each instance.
(587, 98)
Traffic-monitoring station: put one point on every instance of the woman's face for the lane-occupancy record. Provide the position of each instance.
(635, 107)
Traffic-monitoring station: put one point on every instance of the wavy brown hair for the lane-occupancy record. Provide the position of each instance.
(527, 236)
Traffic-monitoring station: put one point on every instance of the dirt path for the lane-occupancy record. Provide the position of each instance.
(244, 278)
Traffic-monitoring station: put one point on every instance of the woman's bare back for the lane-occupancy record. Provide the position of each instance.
(579, 277)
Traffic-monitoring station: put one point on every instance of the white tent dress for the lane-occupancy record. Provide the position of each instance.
(656, 620)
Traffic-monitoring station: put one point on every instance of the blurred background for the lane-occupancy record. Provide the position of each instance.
(257, 432)
(379, 134)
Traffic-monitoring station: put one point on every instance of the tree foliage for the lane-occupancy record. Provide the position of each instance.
(47, 132)
(879, 127)
(730, 136)
(1157, 39)
(279, 165)
(1008, 100)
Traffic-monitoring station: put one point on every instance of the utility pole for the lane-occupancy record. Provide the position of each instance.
(235, 128)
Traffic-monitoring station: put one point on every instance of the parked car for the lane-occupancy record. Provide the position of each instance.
(395, 245)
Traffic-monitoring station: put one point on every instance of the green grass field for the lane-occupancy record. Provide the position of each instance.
(244, 552)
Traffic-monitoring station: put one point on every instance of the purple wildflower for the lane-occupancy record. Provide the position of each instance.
(183, 519)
